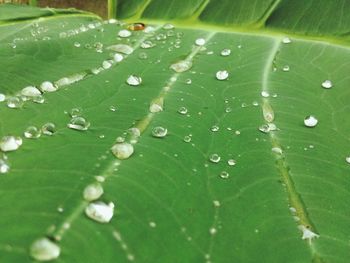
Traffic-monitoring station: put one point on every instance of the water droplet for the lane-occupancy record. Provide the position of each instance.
(121, 48)
(30, 91)
(106, 64)
(327, 84)
(307, 233)
(265, 94)
(134, 132)
(214, 128)
(14, 102)
(216, 203)
(78, 123)
(225, 52)
(224, 175)
(134, 80)
(122, 150)
(75, 112)
(100, 211)
(44, 249)
(181, 66)
(200, 41)
(118, 57)
(347, 159)
(231, 162)
(47, 86)
(93, 192)
(286, 68)
(2, 97)
(156, 105)
(214, 158)
(32, 132)
(77, 44)
(143, 55)
(266, 128)
(112, 108)
(136, 26)
(286, 40)
(182, 110)
(187, 138)
(188, 81)
(10, 143)
(277, 150)
(222, 74)
(310, 121)
(147, 44)
(4, 166)
(168, 26)
(159, 132)
(124, 33)
(212, 230)
(268, 113)
(48, 128)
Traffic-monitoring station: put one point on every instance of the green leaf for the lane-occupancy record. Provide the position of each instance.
(238, 176)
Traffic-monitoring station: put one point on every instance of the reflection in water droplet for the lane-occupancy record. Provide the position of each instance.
(14, 102)
(310, 121)
(48, 128)
(200, 42)
(214, 158)
(100, 211)
(44, 249)
(225, 52)
(133, 80)
(10, 143)
(327, 84)
(124, 33)
(182, 110)
(222, 74)
(47, 86)
(181, 66)
(32, 132)
(224, 175)
(93, 192)
(122, 150)
(159, 132)
(78, 123)
(231, 162)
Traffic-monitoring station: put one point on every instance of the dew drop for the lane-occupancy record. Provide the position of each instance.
(156, 105)
(214, 158)
(224, 175)
(134, 132)
(222, 74)
(121, 48)
(277, 150)
(44, 249)
(10, 143)
(78, 123)
(286, 40)
(134, 80)
(347, 159)
(2, 97)
(231, 162)
(265, 94)
(181, 66)
(14, 102)
(143, 55)
(100, 211)
(214, 128)
(200, 42)
(77, 44)
(286, 68)
(93, 192)
(47, 86)
(327, 84)
(168, 26)
(212, 230)
(48, 128)
(187, 138)
(159, 132)
(225, 52)
(112, 108)
(118, 57)
(32, 132)
(124, 33)
(30, 91)
(266, 128)
(182, 110)
(106, 64)
(75, 112)
(122, 150)
(147, 44)
(4, 166)
(310, 121)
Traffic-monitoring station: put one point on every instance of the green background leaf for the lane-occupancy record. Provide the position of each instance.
(171, 203)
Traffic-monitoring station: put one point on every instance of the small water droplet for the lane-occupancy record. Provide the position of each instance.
(30, 91)
(32, 132)
(78, 123)
(44, 249)
(216, 203)
(168, 26)
(187, 138)
(347, 159)
(106, 64)
(4, 165)
(224, 175)
(100, 211)
(14, 102)
(214, 128)
(122, 150)
(136, 26)
(200, 42)
(286, 68)
(286, 40)
(124, 33)
(225, 52)
(188, 81)
(121, 48)
(152, 224)
(134, 80)
(118, 57)
(93, 192)
(266, 128)
(156, 105)
(159, 132)
(75, 112)
(48, 128)
(181, 66)
(231, 162)
(222, 74)
(212, 230)
(214, 158)
(134, 132)
(265, 94)
(182, 110)
(143, 55)
(277, 150)
(10, 143)
(327, 84)
(112, 108)
(310, 121)
(77, 44)
(147, 44)
(2, 97)
(47, 86)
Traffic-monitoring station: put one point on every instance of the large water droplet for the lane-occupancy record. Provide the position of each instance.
(181, 66)
(121, 48)
(214, 158)
(133, 80)
(78, 123)
(14, 102)
(124, 33)
(100, 211)
(224, 175)
(310, 121)
(30, 91)
(47, 86)
(32, 132)
(122, 150)
(159, 132)
(48, 128)
(10, 143)
(327, 84)
(93, 192)
(222, 74)
(44, 249)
